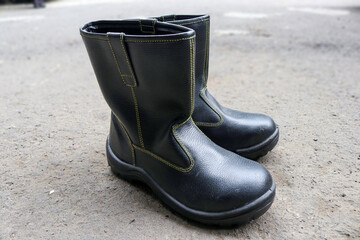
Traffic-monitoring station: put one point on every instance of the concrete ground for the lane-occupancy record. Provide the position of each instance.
(293, 60)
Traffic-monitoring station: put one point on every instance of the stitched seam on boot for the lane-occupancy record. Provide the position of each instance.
(128, 137)
(134, 97)
(146, 31)
(204, 124)
(141, 41)
(117, 65)
(206, 64)
(168, 18)
(160, 41)
(137, 117)
(175, 127)
(192, 75)
(128, 62)
(192, 95)
(180, 169)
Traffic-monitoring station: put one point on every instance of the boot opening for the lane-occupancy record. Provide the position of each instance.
(132, 27)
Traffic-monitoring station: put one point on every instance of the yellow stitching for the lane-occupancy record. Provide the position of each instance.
(192, 94)
(185, 170)
(213, 108)
(99, 38)
(192, 75)
(175, 127)
(117, 63)
(191, 86)
(127, 60)
(204, 89)
(182, 145)
(160, 41)
(168, 18)
(128, 137)
(132, 77)
(145, 41)
(140, 25)
(145, 25)
(137, 117)
(206, 64)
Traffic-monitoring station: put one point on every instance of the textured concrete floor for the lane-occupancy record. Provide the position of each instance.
(291, 60)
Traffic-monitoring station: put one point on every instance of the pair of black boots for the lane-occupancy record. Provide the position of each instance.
(168, 131)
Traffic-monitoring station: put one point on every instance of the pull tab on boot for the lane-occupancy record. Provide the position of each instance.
(147, 26)
(121, 58)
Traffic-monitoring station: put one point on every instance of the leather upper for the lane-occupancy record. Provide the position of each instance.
(219, 180)
(161, 64)
(228, 128)
(238, 129)
(151, 124)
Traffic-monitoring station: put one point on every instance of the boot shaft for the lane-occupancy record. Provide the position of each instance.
(206, 113)
(201, 25)
(145, 70)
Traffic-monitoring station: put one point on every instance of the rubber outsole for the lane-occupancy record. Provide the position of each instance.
(261, 149)
(237, 216)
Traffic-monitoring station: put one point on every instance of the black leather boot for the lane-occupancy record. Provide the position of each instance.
(248, 134)
(146, 73)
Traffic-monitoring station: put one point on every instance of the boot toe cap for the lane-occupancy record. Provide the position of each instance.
(266, 127)
(243, 187)
(230, 185)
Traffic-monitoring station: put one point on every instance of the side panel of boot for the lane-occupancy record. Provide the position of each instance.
(201, 24)
(248, 134)
(116, 93)
(132, 99)
(160, 68)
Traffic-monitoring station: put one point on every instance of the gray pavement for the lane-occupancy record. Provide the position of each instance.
(296, 61)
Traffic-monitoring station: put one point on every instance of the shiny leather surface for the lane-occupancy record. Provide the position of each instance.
(228, 128)
(239, 129)
(219, 181)
(177, 155)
